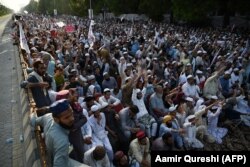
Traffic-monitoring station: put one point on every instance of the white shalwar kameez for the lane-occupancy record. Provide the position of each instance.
(190, 138)
(213, 129)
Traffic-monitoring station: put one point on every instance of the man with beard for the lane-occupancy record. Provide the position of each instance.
(97, 157)
(88, 102)
(73, 83)
(38, 86)
(56, 129)
(108, 82)
(212, 119)
(129, 121)
(236, 77)
(225, 84)
(113, 126)
(120, 159)
(97, 122)
(113, 69)
(190, 89)
(108, 98)
(164, 143)
(139, 150)
(143, 116)
(156, 106)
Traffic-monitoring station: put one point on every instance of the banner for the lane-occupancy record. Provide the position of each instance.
(55, 12)
(69, 28)
(53, 33)
(91, 36)
(215, 57)
(90, 11)
(23, 41)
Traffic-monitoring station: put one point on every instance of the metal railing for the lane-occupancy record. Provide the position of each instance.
(32, 106)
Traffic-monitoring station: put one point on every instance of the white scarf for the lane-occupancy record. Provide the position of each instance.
(40, 79)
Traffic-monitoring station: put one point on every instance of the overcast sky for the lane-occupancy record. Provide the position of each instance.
(15, 4)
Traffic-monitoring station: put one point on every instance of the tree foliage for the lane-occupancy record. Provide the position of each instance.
(193, 11)
(4, 10)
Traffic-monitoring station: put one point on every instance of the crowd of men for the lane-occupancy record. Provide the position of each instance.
(109, 92)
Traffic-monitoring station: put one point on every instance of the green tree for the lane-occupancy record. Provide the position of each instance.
(4, 10)
(43, 6)
(155, 9)
(78, 7)
(193, 11)
(32, 6)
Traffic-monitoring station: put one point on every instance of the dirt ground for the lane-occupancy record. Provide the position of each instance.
(237, 139)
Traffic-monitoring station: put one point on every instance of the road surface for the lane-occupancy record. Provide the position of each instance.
(11, 149)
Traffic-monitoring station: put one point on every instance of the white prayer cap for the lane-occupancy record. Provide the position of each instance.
(105, 73)
(86, 46)
(34, 48)
(190, 117)
(174, 62)
(172, 108)
(149, 71)
(106, 90)
(199, 52)
(166, 83)
(127, 78)
(188, 64)
(227, 73)
(133, 61)
(199, 72)
(190, 76)
(129, 64)
(236, 69)
(214, 97)
(91, 77)
(87, 54)
(215, 107)
(138, 91)
(189, 99)
(95, 108)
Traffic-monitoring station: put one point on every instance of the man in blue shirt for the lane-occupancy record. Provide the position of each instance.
(56, 128)
(224, 82)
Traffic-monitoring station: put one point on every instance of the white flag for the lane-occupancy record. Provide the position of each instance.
(91, 36)
(215, 57)
(23, 41)
(130, 34)
(247, 48)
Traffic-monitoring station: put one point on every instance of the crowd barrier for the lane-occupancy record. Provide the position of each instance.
(34, 146)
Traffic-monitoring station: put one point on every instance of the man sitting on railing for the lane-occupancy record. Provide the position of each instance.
(56, 129)
(38, 82)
